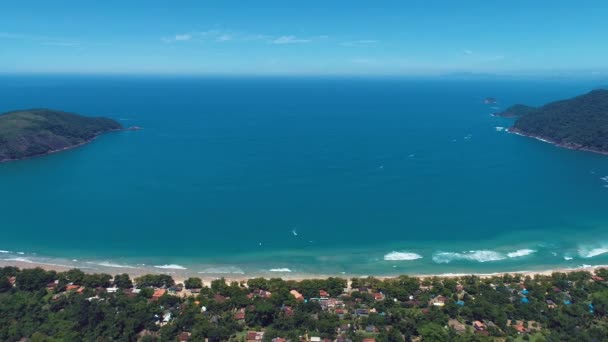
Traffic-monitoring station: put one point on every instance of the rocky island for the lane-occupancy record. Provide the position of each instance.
(35, 132)
(579, 123)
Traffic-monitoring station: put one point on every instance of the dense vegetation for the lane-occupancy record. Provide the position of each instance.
(516, 111)
(579, 123)
(34, 132)
(74, 306)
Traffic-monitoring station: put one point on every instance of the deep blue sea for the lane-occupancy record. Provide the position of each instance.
(281, 176)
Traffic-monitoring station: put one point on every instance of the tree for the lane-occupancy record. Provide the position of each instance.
(433, 332)
(5, 284)
(34, 279)
(193, 283)
(123, 281)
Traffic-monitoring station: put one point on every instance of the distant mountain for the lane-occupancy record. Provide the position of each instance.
(577, 123)
(34, 132)
(516, 111)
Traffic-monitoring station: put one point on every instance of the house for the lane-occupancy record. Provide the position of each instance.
(551, 304)
(239, 315)
(597, 278)
(457, 326)
(323, 294)
(379, 296)
(219, 298)
(315, 339)
(255, 336)
(438, 301)
(340, 313)
(297, 295)
(478, 325)
(195, 291)
(80, 290)
(520, 328)
(361, 312)
(72, 287)
(158, 293)
(112, 289)
(288, 311)
(370, 329)
(184, 337)
(279, 339)
(369, 340)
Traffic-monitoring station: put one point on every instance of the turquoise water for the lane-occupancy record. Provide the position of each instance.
(226, 172)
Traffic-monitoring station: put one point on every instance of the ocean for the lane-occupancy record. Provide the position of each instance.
(302, 176)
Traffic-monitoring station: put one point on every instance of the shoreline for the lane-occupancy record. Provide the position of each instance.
(182, 275)
(547, 140)
(62, 149)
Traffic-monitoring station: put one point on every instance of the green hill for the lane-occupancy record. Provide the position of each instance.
(577, 123)
(34, 132)
(516, 111)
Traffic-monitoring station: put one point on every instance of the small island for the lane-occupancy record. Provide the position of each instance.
(35, 132)
(580, 123)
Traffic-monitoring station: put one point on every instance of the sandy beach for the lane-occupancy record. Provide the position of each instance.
(180, 275)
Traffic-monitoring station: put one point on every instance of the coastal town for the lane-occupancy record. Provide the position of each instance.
(508, 307)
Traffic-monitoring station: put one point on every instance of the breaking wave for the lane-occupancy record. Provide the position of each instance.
(171, 267)
(590, 253)
(110, 264)
(285, 269)
(479, 256)
(222, 270)
(520, 253)
(400, 256)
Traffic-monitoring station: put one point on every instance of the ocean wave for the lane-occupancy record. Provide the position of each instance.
(222, 270)
(399, 256)
(499, 128)
(478, 256)
(285, 269)
(29, 261)
(4, 252)
(568, 257)
(171, 267)
(590, 253)
(110, 264)
(520, 253)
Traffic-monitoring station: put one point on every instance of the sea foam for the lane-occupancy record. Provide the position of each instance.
(222, 270)
(520, 253)
(400, 256)
(590, 253)
(110, 264)
(479, 256)
(171, 267)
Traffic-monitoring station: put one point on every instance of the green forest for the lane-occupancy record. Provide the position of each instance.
(29, 133)
(580, 122)
(44, 305)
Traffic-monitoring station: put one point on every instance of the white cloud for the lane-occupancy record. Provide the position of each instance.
(62, 44)
(182, 37)
(361, 42)
(224, 38)
(40, 39)
(177, 38)
(289, 40)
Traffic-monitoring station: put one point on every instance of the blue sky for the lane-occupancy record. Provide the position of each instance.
(304, 37)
